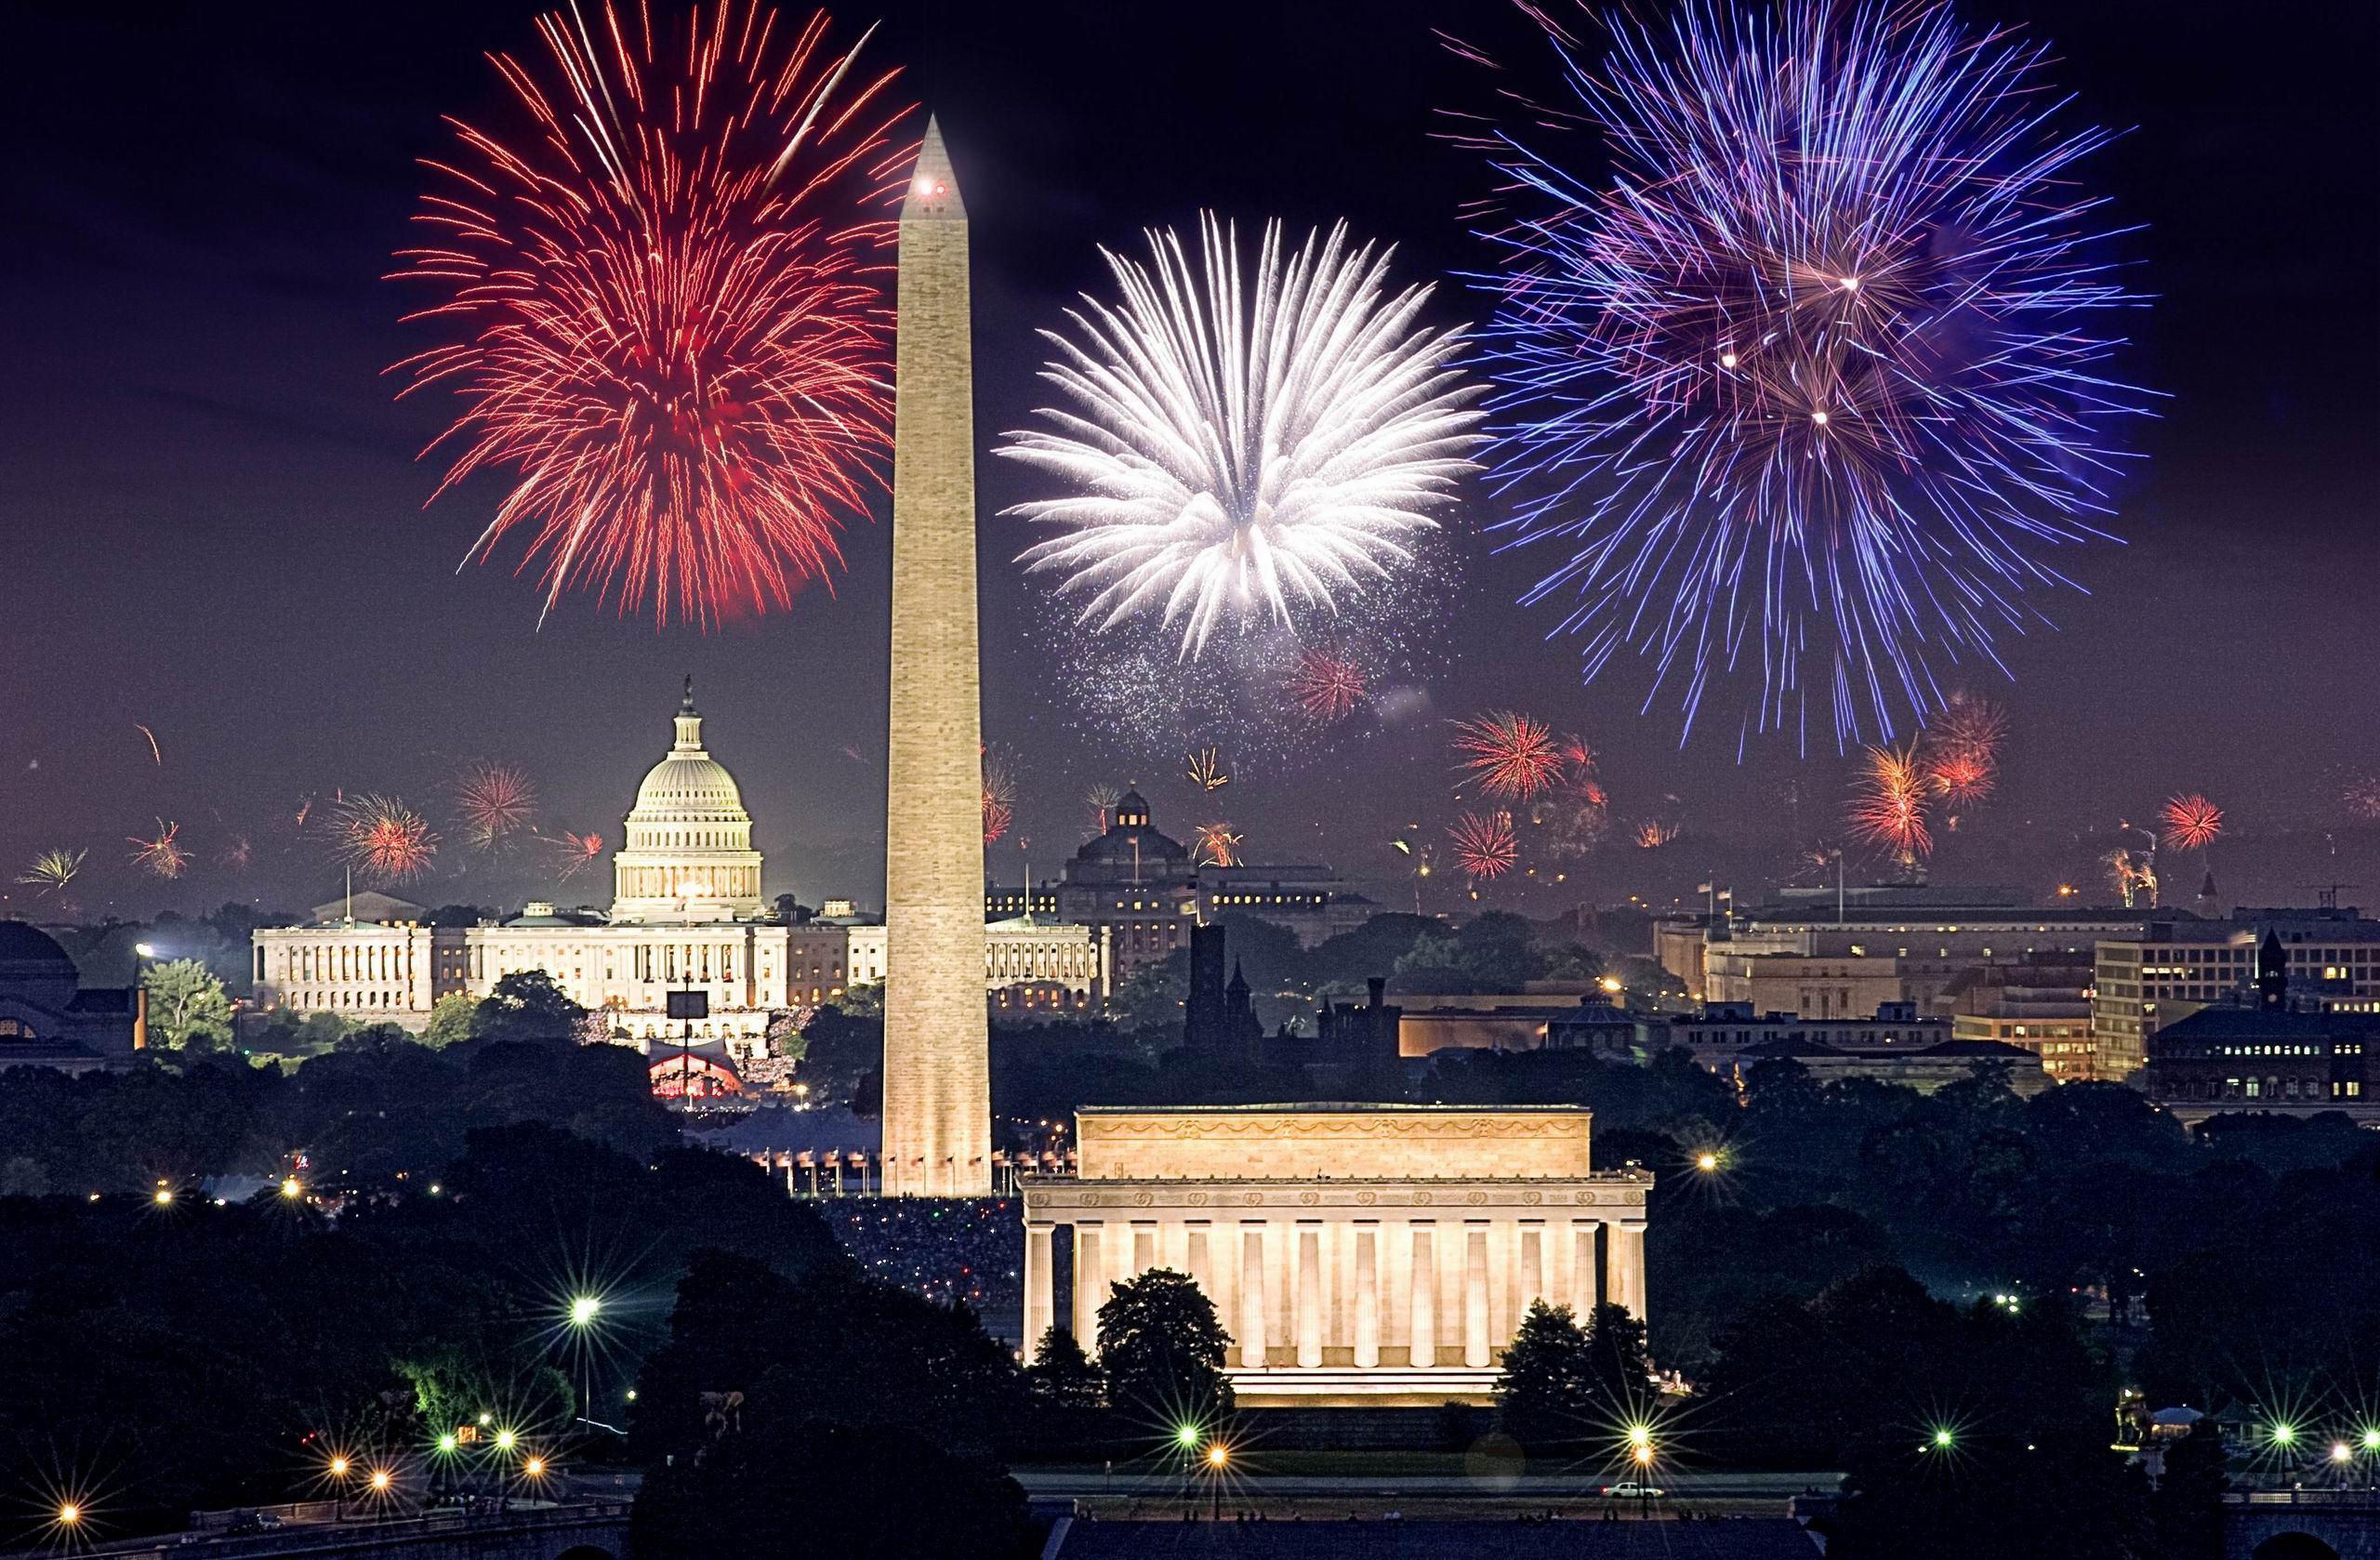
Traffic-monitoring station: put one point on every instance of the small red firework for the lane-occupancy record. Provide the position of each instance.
(578, 852)
(2360, 796)
(999, 794)
(1511, 755)
(238, 855)
(1652, 833)
(494, 801)
(1483, 846)
(383, 839)
(1101, 799)
(1960, 750)
(164, 856)
(1217, 845)
(2192, 821)
(1888, 803)
(1327, 687)
(667, 304)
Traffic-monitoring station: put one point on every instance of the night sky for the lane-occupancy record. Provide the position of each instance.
(212, 521)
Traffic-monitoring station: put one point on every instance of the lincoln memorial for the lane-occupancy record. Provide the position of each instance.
(1359, 1254)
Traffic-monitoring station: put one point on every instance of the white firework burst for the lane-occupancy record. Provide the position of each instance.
(1244, 449)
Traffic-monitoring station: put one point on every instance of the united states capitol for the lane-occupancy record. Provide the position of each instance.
(687, 914)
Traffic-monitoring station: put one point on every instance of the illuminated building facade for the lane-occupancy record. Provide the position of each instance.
(1359, 1254)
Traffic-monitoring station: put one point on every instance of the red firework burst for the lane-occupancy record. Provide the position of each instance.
(1483, 846)
(578, 852)
(1217, 845)
(1511, 755)
(494, 801)
(1888, 803)
(667, 293)
(239, 855)
(383, 839)
(1961, 749)
(1652, 833)
(1327, 687)
(162, 856)
(999, 795)
(2192, 821)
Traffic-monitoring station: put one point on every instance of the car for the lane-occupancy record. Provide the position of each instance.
(1628, 1490)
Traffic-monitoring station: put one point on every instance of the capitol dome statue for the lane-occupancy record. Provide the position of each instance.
(688, 852)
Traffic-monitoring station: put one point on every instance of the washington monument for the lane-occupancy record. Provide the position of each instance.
(937, 1089)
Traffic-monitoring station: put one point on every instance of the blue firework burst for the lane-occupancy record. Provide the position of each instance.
(1813, 383)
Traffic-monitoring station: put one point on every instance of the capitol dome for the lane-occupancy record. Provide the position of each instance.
(687, 855)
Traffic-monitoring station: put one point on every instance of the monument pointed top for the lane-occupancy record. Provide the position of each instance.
(933, 187)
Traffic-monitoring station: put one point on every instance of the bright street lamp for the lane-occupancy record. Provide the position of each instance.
(165, 1194)
(1943, 1439)
(338, 1467)
(70, 1513)
(2341, 1451)
(381, 1479)
(290, 1187)
(584, 1310)
(2285, 1434)
(535, 1467)
(2371, 1440)
(1706, 1161)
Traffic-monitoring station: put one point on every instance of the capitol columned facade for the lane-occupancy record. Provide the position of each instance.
(687, 913)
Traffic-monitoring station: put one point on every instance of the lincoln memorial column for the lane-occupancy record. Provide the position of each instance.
(1626, 1260)
(1090, 1287)
(1366, 1296)
(1308, 1318)
(1422, 1349)
(1195, 1262)
(1251, 1295)
(1040, 1298)
(1144, 1247)
(1475, 1295)
(1532, 1267)
(1582, 1267)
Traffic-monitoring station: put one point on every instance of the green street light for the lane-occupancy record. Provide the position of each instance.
(2285, 1434)
(2371, 1440)
(1943, 1438)
(505, 1440)
(447, 1443)
(584, 1310)
(1185, 1435)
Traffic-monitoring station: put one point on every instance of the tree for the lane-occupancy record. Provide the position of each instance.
(1152, 995)
(1162, 1350)
(451, 1019)
(528, 1005)
(1065, 1392)
(1621, 1375)
(839, 1052)
(2187, 1505)
(864, 1000)
(187, 1007)
(1545, 1396)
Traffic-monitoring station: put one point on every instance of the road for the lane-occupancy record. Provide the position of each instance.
(1158, 1484)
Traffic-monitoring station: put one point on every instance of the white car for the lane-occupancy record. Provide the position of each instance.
(1631, 1491)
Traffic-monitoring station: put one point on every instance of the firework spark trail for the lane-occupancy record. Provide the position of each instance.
(1511, 755)
(1888, 803)
(1206, 770)
(1216, 845)
(494, 800)
(162, 856)
(1244, 450)
(383, 839)
(1325, 686)
(669, 295)
(1652, 833)
(999, 794)
(1484, 845)
(1101, 799)
(1813, 387)
(156, 753)
(2191, 821)
(52, 870)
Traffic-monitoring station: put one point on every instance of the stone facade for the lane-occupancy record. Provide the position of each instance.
(937, 1085)
(1377, 1255)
